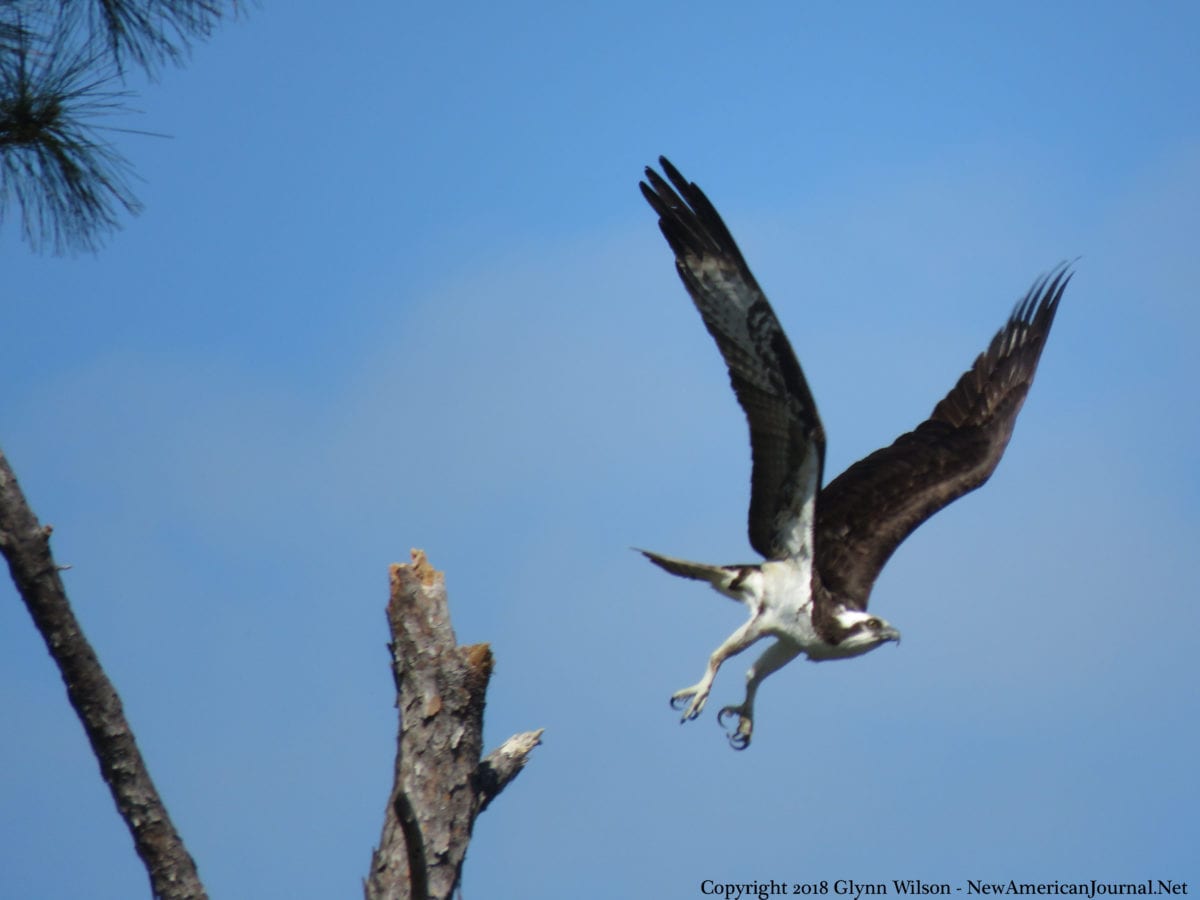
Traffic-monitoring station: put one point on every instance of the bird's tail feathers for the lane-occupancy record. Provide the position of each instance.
(726, 579)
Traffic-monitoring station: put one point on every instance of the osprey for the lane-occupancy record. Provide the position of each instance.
(824, 545)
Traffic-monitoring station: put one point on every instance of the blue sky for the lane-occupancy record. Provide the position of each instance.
(395, 287)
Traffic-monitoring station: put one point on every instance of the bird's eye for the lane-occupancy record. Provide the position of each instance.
(874, 624)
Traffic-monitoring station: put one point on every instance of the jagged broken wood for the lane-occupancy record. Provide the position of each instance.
(25, 543)
(441, 782)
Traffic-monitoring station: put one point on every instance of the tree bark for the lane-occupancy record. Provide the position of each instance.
(441, 783)
(26, 545)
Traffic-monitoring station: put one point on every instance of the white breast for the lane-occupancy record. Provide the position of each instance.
(785, 603)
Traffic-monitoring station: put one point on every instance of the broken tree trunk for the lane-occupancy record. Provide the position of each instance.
(441, 782)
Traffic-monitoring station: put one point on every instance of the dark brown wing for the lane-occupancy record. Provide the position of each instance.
(864, 514)
(786, 438)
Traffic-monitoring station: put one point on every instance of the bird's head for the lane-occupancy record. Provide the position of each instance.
(863, 631)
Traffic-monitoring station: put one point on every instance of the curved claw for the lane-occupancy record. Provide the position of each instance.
(691, 700)
(739, 738)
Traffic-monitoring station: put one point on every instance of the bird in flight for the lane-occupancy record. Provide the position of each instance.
(825, 544)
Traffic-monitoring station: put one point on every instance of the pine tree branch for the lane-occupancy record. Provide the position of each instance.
(26, 545)
(62, 65)
(148, 32)
(69, 183)
(440, 783)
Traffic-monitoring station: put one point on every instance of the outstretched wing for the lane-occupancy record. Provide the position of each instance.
(864, 514)
(786, 439)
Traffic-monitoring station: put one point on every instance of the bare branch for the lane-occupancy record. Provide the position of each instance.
(504, 764)
(440, 783)
(26, 545)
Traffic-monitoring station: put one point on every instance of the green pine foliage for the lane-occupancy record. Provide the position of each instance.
(62, 71)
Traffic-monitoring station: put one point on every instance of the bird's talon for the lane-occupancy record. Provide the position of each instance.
(739, 738)
(693, 697)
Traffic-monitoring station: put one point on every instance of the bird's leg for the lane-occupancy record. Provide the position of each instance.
(773, 658)
(698, 693)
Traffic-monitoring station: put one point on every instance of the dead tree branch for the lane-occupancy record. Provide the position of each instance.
(441, 783)
(25, 543)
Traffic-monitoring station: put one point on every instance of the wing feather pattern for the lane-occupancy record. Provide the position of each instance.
(786, 438)
(868, 510)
